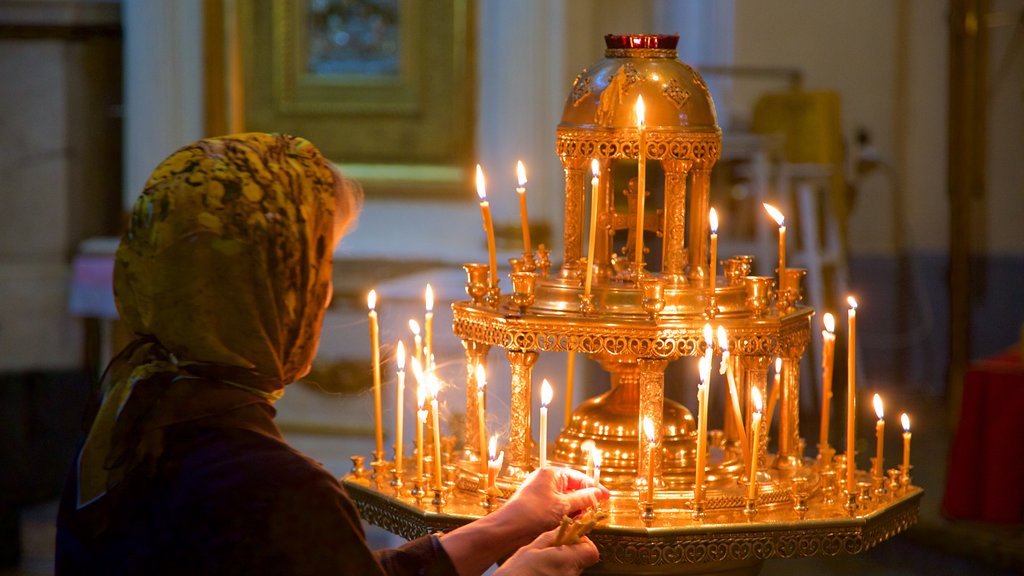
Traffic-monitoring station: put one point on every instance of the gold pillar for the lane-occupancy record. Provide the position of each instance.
(732, 428)
(698, 245)
(575, 190)
(652, 405)
(476, 353)
(520, 437)
(755, 373)
(673, 259)
(789, 409)
(603, 242)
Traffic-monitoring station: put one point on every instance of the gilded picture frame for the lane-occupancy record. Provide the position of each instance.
(404, 130)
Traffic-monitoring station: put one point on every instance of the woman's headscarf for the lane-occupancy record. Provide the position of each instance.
(223, 276)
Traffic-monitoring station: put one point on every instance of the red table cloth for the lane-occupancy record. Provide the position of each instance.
(985, 477)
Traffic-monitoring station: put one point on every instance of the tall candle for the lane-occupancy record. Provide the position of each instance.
(545, 398)
(755, 449)
(851, 393)
(421, 419)
(737, 414)
(651, 442)
(485, 211)
(879, 434)
(399, 405)
(594, 185)
(905, 420)
(641, 183)
(781, 221)
(521, 190)
(702, 427)
(773, 396)
(828, 346)
(371, 303)
(417, 340)
(597, 458)
(481, 383)
(428, 324)
(713, 260)
(434, 389)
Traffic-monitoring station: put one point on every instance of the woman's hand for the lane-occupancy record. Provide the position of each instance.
(541, 558)
(545, 496)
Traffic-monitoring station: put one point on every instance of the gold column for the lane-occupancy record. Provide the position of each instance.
(673, 259)
(789, 410)
(602, 244)
(755, 372)
(732, 428)
(652, 404)
(476, 353)
(520, 438)
(575, 191)
(698, 245)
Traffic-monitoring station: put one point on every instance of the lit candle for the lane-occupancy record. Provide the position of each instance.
(828, 346)
(417, 340)
(905, 420)
(879, 434)
(399, 405)
(494, 462)
(755, 423)
(651, 442)
(587, 447)
(723, 343)
(521, 190)
(780, 220)
(428, 324)
(481, 383)
(421, 419)
(851, 393)
(435, 387)
(597, 457)
(545, 398)
(594, 184)
(773, 396)
(485, 211)
(641, 183)
(713, 261)
(702, 427)
(371, 303)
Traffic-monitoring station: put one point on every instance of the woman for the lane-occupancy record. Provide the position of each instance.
(223, 277)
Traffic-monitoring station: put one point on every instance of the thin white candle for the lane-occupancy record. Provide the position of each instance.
(371, 303)
(399, 405)
(851, 394)
(545, 398)
(905, 420)
(781, 221)
(494, 462)
(592, 236)
(702, 427)
(755, 448)
(879, 434)
(828, 346)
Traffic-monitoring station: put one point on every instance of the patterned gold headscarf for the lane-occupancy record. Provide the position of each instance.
(224, 274)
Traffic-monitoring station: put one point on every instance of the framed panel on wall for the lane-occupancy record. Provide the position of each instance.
(385, 88)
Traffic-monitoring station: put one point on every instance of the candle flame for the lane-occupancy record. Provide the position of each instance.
(709, 337)
(414, 327)
(713, 218)
(400, 356)
(481, 377)
(723, 339)
(755, 395)
(521, 173)
(597, 456)
(778, 365)
(421, 396)
(428, 296)
(852, 301)
(587, 447)
(481, 186)
(434, 385)
(649, 429)
(877, 400)
(595, 167)
(830, 322)
(774, 213)
(492, 446)
(905, 420)
(640, 112)
(546, 393)
(371, 300)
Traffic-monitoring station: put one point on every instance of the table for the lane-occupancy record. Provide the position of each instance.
(985, 476)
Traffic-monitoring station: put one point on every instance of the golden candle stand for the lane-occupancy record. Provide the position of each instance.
(634, 322)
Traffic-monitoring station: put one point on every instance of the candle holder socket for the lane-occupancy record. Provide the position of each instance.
(851, 501)
(793, 284)
(866, 495)
(653, 296)
(712, 309)
(648, 514)
(358, 469)
(396, 481)
(750, 509)
(524, 288)
(587, 304)
(800, 489)
(698, 510)
(904, 476)
(736, 269)
(417, 491)
(476, 281)
(826, 454)
(759, 294)
(519, 264)
(828, 486)
(543, 261)
(487, 499)
(894, 481)
(438, 501)
(493, 296)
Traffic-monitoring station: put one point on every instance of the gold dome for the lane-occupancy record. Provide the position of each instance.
(604, 95)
